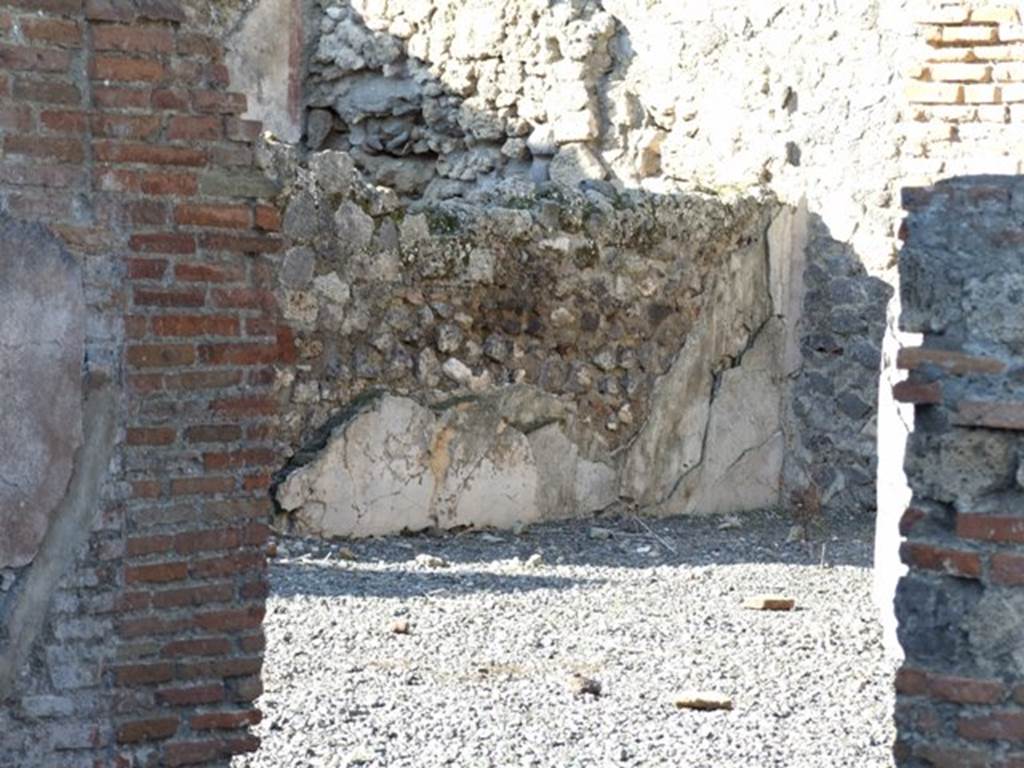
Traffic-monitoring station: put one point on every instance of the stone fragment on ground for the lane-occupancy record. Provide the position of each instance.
(581, 685)
(704, 701)
(770, 603)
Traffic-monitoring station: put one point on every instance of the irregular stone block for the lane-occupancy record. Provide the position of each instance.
(41, 354)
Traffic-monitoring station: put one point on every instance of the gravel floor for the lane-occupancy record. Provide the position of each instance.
(484, 675)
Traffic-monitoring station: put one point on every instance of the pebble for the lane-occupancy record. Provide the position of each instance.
(705, 701)
(770, 603)
(580, 685)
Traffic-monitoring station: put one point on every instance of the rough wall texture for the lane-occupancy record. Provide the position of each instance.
(630, 330)
(961, 607)
(132, 635)
(960, 692)
(443, 98)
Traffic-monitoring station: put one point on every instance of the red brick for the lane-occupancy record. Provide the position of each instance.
(152, 729)
(136, 38)
(213, 433)
(965, 690)
(136, 326)
(1007, 569)
(186, 128)
(253, 405)
(195, 325)
(256, 509)
(120, 97)
(254, 590)
(204, 380)
(145, 127)
(268, 218)
(992, 415)
(207, 646)
(151, 435)
(227, 621)
(63, 121)
(243, 298)
(195, 44)
(239, 354)
(157, 298)
(225, 720)
(947, 756)
(250, 457)
(917, 392)
(126, 69)
(15, 57)
(187, 596)
(230, 565)
(209, 273)
(157, 574)
(219, 102)
(192, 695)
(950, 561)
(201, 486)
(241, 243)
(143, 674)
(62, 32)
(911, 358)
(1007, 529)
(223, 668)
(172, 99)
(183, 184)
(160, 355)
(145, 489)
(46, 91)
(140, 546)
(147, 154)
(998, 726)
(243, 130)
(146, 269)
(205, 541)
(242, 744)
(192, 752)
(163, 243)
(64, 150)
(225, 216)
(912, 682)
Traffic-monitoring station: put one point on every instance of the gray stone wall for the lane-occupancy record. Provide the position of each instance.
(961, 606)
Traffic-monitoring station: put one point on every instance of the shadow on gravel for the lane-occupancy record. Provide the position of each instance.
(305, 578)
(621, 542)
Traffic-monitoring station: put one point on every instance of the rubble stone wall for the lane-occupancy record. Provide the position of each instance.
(642, 343)
(445, 99)
(139, 348)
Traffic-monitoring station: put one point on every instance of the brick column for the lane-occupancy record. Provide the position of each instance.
(961, 607)
(119, 133)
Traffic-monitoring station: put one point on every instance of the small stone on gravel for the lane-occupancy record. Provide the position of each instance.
(770, 603)
(580, 685)
(400, 626)
(705, 701)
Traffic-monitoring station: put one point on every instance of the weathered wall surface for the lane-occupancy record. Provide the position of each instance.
(961, 607)
(581, 347)
(453, 98)
(142, 329)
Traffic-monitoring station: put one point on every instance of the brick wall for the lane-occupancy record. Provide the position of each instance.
(118, 132)
(961, 606)
(960, 692)
(966, 94)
